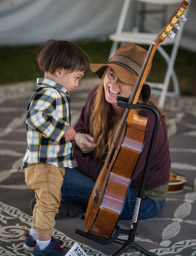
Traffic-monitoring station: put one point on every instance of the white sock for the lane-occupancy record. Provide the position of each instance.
(42, 244)
(33, 233)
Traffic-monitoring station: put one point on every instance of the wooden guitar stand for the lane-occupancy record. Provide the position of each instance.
(130, 242)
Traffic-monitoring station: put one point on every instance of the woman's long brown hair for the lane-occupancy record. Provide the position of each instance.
(104, 121)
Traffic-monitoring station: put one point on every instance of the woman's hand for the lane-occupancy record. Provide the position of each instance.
(85, 142)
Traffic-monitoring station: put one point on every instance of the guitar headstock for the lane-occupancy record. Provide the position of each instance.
(172, 22)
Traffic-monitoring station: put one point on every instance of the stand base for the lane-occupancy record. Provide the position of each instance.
(99, 239)
(134, 246)
(114, 238)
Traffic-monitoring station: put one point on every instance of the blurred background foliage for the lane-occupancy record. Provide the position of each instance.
(18, 64)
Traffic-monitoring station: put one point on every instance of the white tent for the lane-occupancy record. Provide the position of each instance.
(29, 22)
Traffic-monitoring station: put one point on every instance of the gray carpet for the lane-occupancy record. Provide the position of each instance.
(172, 232)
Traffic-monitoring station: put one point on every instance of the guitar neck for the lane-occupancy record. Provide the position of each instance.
(146, 68)
(138, 86)
(143, 74)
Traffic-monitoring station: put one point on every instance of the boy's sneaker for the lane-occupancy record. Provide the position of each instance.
(51, 250)
(30, 243)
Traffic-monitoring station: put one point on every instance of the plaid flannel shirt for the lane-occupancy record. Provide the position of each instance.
(48, 115)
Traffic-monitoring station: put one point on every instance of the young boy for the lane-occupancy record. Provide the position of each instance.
(49, 139)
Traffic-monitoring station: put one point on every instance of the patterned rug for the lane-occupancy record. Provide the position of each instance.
(171, 233)
(15, 223)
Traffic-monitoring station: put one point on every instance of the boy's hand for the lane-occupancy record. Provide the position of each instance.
(69, 133)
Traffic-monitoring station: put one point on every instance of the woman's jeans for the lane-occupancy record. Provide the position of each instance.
(78, 187)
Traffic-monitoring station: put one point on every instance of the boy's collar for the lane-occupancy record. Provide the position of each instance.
(42, 82)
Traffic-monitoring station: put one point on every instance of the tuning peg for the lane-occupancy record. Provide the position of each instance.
(183, 18)
(177, 26)
(171, 34)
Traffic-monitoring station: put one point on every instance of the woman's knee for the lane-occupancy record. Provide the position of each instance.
(151, 208)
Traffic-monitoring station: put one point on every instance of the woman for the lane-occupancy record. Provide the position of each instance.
(95, 131)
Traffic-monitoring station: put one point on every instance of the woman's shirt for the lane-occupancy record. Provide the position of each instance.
(159, 169)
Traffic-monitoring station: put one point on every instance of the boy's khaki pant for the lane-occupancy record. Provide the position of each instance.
(46, 180)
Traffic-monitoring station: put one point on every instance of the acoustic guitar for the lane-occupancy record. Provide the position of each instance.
(176, 182)
(109, 192)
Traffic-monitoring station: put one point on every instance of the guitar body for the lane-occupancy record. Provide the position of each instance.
(108, 195)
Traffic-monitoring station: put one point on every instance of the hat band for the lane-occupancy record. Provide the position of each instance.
(126, 63)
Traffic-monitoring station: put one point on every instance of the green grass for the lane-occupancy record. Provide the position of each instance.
(19, 64)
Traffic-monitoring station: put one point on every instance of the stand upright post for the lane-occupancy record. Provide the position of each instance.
(130, 243)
